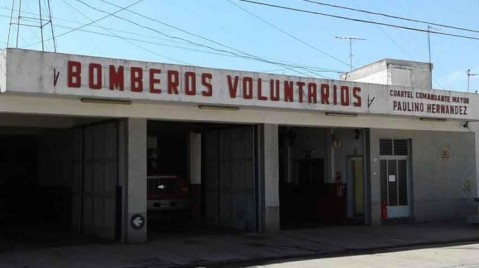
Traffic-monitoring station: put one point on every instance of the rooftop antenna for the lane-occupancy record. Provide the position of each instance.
(429, 28)
(41, 20)
(469, 74)
(351, 39)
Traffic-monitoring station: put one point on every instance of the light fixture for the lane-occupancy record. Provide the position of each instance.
(105, 101)
(341, 114)
(219, 107)
(432, 119)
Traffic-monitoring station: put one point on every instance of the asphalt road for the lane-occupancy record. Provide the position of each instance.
(443, 256)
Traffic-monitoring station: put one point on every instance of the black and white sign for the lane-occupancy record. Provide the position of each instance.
(137, 221)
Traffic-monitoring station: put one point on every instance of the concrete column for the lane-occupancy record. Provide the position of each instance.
(134, 181)
(375, 182)
(195, 158)
(194, 174)
(474, 126)
(271, 178)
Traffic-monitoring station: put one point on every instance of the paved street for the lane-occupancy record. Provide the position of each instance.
(445, 256)
(226, 249)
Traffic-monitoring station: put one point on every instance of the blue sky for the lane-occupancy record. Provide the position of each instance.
(224, 22)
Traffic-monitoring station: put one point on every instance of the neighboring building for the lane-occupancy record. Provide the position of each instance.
(261, 151)
(394, 72)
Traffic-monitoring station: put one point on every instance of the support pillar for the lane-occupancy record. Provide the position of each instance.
(133, 143)
(271, 178)
(194, 176)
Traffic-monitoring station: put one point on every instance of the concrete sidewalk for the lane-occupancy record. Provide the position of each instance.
(200, 249)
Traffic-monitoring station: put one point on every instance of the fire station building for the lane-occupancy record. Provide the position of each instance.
(261, 152)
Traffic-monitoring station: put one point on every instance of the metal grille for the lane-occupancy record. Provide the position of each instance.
(401, 147)
(392, 147)
(386, 147)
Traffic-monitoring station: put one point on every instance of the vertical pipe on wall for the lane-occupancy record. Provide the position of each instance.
(367, 176)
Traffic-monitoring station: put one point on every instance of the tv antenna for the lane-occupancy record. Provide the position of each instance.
(469, 74)
(19, 18)
(351, 39)
(429, 28)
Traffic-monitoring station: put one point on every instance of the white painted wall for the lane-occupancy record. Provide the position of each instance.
(3, 71)
(474, 126)
(46, 74)
(442, 190)
(380, 77)
(394, 72)
(11, 103)
(410, 76)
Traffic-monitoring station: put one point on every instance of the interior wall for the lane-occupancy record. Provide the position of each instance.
(443, 174)
(351, 145)
(315, 143)
(308, 143)
(55, 159)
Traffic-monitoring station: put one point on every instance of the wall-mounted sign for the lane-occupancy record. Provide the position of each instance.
(137, 221)
(80, 76)
(429, 103)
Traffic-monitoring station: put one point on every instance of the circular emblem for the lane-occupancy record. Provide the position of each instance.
(137, 221)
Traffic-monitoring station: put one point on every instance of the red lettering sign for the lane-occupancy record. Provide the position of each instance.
(74, 74)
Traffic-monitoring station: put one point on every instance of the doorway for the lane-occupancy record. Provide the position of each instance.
(395, 179)
(356, 175)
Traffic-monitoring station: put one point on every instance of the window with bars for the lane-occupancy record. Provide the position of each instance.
(394, 147)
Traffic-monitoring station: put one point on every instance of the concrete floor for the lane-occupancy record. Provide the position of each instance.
(166, 249)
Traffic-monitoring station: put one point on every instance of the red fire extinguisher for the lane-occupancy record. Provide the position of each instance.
(384, 210)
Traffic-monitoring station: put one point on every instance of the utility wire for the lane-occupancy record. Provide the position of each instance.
(210, 40)
(289, 34)
(358, 20)
(207, 46)
(294, 65)
(90, 23)
(391, 16)
(124, 39)
(72, 8)
(96, 26)
(207, 39)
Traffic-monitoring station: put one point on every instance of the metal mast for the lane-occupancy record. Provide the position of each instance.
(351, 39)
(40, 19)
(469, 74)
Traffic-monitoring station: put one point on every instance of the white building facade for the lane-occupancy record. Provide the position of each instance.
(260, 147)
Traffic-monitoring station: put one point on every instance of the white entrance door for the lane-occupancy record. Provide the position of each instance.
(395, 187)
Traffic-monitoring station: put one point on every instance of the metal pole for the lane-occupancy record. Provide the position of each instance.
(41, 22)
(351, 39)
(429, 43)
(468, 72)
(10, 26)
(468, 77)
(51, 26)
(18, 25)
(351, 54)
